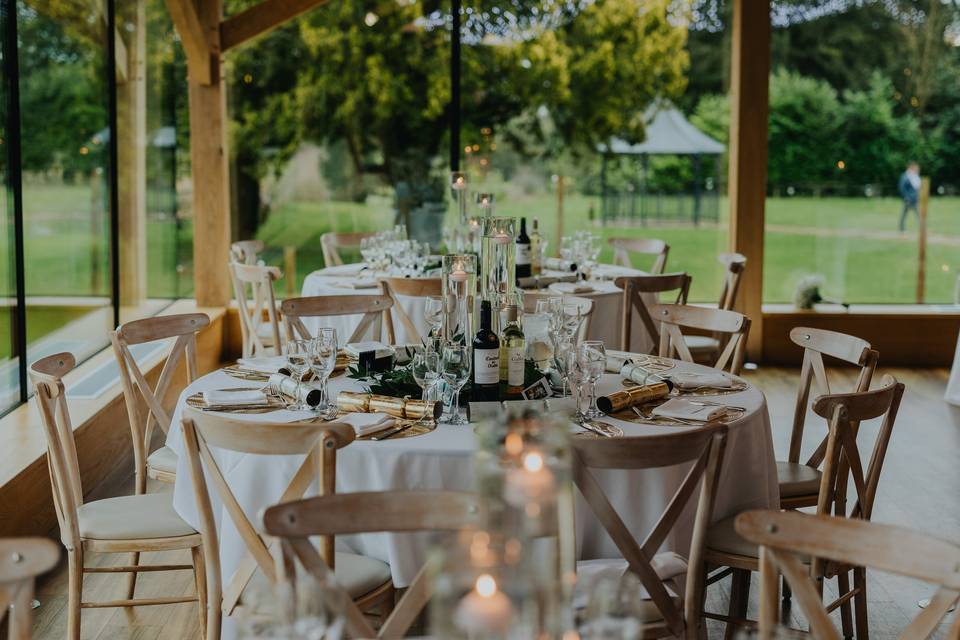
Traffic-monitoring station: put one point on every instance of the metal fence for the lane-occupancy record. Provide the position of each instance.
(653, 208)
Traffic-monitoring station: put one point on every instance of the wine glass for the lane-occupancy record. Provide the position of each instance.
(592, 357)
(425, 368)
(456, 371)
(298, 361)
(433, 314)
(576, 375)
(323, 360)
(562, 347)
(571, 317)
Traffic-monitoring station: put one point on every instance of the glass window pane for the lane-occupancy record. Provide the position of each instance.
(9, 362)
(66, 198)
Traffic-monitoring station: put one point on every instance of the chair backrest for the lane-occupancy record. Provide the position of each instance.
(184, 328)
(587, 307)
(842, 461)
(246, 251)
(786, 537)
(318, 441)
(21, 561)
(633, 289)
(735, 263)
(731, 326)
(332, 240)
(47, 375)
(410, 288)
(374, 308)
(623, 247)
(704, 449)
(351, 513)
(259, 280)
(816, 343)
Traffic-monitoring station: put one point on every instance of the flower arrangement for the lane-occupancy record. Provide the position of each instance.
(807, 293)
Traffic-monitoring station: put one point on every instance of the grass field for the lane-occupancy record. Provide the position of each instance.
(852, 242)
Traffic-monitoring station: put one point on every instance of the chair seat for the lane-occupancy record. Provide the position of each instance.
(667, 564)
(132, 518)
(797, 479)
(722, 537)
(701, 343)
(163, 459)
(357, 575)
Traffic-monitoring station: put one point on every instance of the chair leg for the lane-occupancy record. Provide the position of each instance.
(846, 610)
(200, 578)
(860, 603)
(132, 576)
(739, 599)
(74, 592)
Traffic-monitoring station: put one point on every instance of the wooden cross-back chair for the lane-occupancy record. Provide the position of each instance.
(260, 337)
(333, 240)
(623, 247)
(22, 560)
(586, 305)
(246, 251)
(162, 463)
(799, 482)
(126, 524)
(733, 326)
(375, 310)
(317, 441)
(735, 263)
(842, 466)
(786, 539)
(369, 512)
(411, 288)
(668, 616)
(634, 287)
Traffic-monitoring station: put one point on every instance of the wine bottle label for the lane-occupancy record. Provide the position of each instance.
(486, 366)
(523, 254)
(515, 366)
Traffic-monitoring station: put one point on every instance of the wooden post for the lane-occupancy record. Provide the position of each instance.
(747, 173)
(132, 155)
(922, 203)
(290, 270)
(559, 212)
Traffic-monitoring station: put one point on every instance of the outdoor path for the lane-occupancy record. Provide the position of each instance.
(832, 232)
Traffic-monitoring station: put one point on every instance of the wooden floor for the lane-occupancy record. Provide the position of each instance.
(919, 488)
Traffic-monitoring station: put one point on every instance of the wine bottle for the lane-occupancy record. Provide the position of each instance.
(523, 251)
(486, 360)
(536, 244)
(513, 346)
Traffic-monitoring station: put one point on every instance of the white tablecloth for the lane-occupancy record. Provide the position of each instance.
(442, 459)
(952, 394)
(604, 324)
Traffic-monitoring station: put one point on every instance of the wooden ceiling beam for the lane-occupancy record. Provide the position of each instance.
(260, 19)
(202, 55)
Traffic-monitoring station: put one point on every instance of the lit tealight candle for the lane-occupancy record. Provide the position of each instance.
(459, 183)
(531, 482)
(485, 609)
(458, 273)
(501, 238)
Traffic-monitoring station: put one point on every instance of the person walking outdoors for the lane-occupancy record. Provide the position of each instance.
(909, 187)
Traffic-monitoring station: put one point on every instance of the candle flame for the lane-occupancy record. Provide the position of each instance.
(486, 586)
(533, 462)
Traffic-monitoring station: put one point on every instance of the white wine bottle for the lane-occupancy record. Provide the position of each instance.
(513, 348)
(536, 244)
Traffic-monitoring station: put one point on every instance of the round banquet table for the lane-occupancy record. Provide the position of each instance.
(355, 279)
(443, 459)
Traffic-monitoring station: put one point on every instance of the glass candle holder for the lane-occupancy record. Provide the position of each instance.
(485, 205)
(458, 193)
(498, 258)
(459, 286)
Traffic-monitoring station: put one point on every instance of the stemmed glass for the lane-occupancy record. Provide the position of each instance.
(323, 360)
(433, 314)
(571, 317)
(562, 348)
(455, 371)
(298, 361)
(426, 369)
(592, 357)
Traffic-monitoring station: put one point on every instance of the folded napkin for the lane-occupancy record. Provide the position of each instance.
(689, 380)
(571, 287)
(343, 269)
(681, 409)
(225, 397)
(360, 283)
(264, 364)
(366, 423)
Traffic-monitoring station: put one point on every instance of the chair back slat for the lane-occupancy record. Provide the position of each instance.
(318, 442)
(258, 280)
(375, 310)
(369, 512)
(22, 560)
(731, 327)
(332, 240)
(785, 537)
(47, 375)
(411, 288)
(734, 264)
(633, 289)
(623, 247)
(702, 448)
(246, 251)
